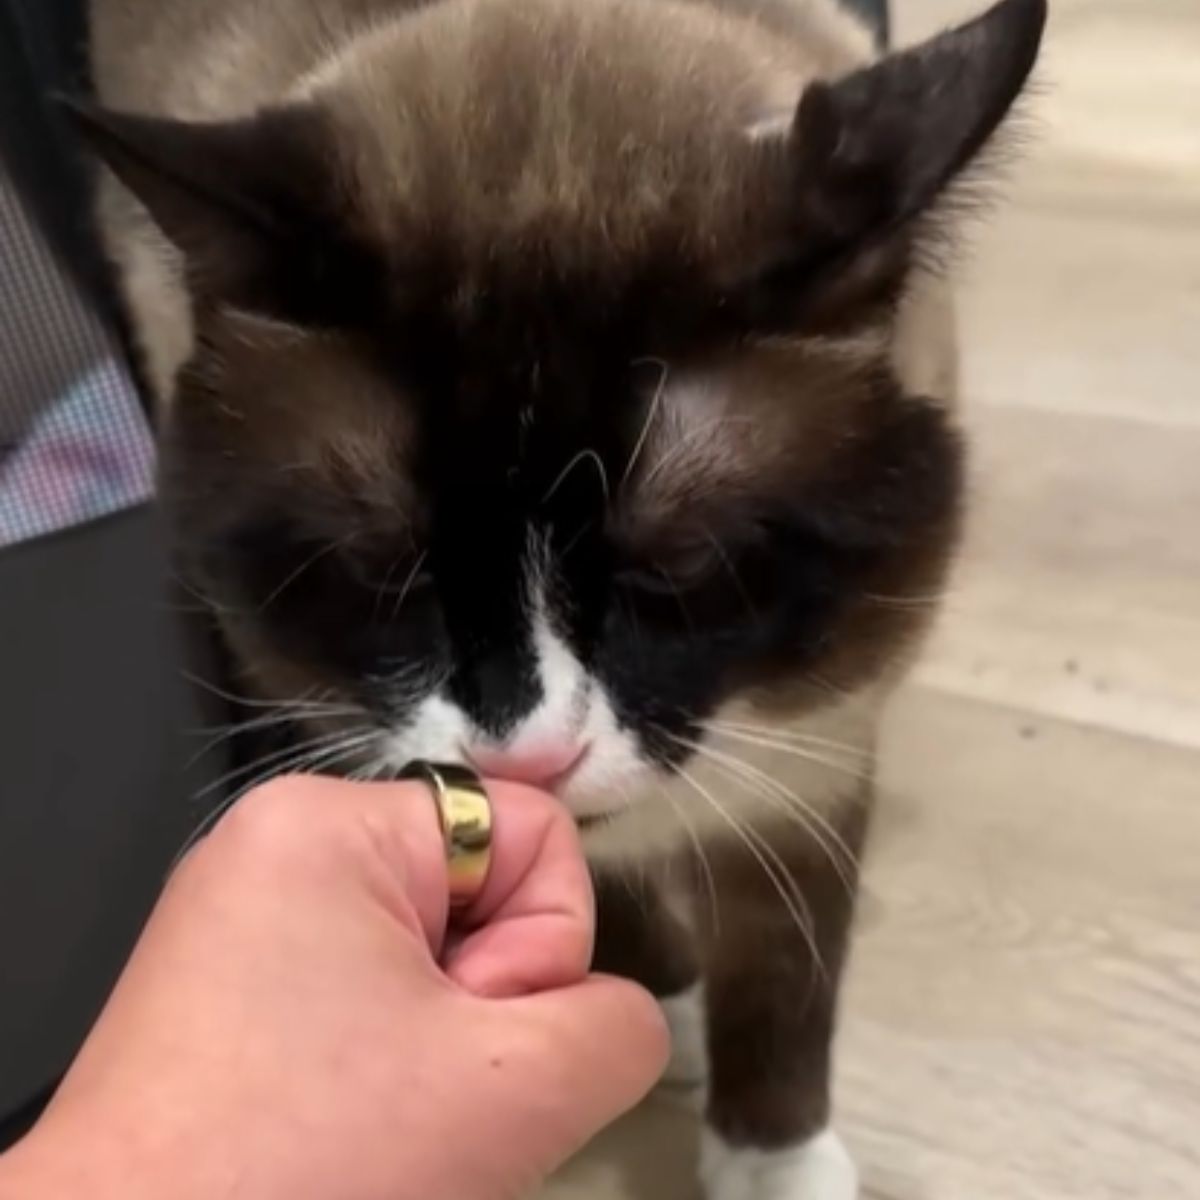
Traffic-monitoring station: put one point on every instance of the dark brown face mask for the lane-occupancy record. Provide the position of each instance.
(396, 393)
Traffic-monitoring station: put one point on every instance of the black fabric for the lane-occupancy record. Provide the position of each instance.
(16, 1125)
(96, 782)
(98, 791)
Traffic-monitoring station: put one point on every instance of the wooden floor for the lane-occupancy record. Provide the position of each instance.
(1023, 1018)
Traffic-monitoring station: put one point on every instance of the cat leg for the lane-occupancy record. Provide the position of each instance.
(688, 1068)
(639, 937)
(772, 969)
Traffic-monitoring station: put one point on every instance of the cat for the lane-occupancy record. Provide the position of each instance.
(566, 387)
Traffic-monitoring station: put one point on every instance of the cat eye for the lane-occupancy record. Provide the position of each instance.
(405, 581)
(398, 577)
(677, 569)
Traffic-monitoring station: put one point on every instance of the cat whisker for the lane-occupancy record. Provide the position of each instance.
(371, 772)
(933, 600)
(651, 416)
(827, 685)
(701, 433)
(285, 716)
(683, 610)
(759, 783)
(635, 894)
(410, 673)
(798, 751)
(630, 610)
(408, 583)
(308, 763)
(788, 735)
(323, 552)
(637, 891)
(731, 571)
(777, 874)
(309, 699)
(829, 841)
(248, 701)
(583, 456)
(303, 762)
(762, 786)
(384, 584)
(209, 603)
(698, 851)
(314, 744)
(577, 537)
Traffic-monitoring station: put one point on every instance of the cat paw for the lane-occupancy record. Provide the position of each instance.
(688, 1067)
(819, 1169)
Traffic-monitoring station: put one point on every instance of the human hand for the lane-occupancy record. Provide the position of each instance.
(295, 1022)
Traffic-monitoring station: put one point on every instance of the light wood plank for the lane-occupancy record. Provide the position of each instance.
(1023, 1016)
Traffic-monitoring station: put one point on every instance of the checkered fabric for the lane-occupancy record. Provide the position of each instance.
(74, 442)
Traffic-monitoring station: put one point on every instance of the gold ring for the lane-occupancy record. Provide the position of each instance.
(465, 813)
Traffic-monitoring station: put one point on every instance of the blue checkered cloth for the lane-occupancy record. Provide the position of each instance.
(74, 441)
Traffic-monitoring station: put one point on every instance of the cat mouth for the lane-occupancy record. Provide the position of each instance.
(595, 820)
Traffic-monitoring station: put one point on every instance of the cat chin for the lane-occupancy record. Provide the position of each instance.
(645, 829)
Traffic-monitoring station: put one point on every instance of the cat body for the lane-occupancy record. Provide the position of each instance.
(563, 386)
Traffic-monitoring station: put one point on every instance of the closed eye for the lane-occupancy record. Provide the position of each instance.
(405, 576)
(679, 569)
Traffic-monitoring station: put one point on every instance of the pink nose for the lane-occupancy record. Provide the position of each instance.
(541, 764)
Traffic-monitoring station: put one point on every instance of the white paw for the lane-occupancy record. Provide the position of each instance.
(688, 1067)
(819, 1169)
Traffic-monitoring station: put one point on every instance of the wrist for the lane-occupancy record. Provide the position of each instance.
(37, 1168)
(51, 1163)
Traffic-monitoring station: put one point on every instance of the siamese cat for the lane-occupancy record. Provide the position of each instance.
(566, 388)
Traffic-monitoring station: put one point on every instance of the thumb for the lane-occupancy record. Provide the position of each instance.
(532, 926)
(581, 1056)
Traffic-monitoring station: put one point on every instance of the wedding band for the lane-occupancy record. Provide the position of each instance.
(465, 814)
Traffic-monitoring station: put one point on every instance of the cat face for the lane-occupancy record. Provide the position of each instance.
(557, 566)
(537, 451)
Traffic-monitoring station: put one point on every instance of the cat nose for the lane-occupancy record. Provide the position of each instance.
(541, 764)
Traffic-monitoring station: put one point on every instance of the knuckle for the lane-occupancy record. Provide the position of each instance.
(275, 819)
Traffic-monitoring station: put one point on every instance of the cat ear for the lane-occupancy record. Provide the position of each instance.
(246, 201)
(871, 152)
